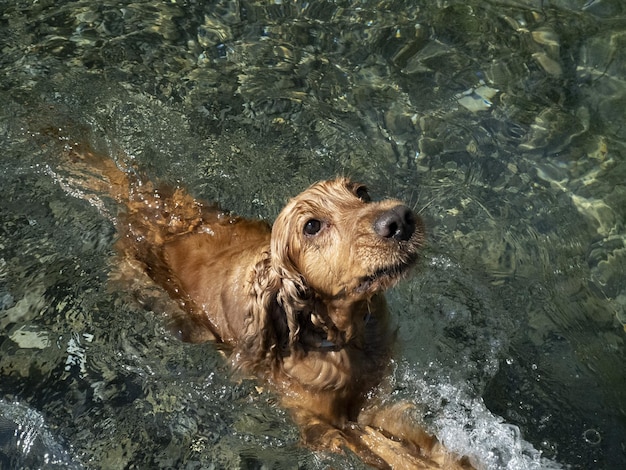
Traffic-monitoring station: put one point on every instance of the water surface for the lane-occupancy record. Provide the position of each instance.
(501, 122)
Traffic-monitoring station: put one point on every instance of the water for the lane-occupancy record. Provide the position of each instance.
(501, 122)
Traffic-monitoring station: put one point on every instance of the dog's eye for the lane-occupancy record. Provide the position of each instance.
(363, 194)
(312, 227)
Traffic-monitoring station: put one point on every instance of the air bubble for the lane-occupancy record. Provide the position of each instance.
(592, 437)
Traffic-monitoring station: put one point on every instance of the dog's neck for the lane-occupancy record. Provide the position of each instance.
(336, 323)
(326, 344)
(330, 356)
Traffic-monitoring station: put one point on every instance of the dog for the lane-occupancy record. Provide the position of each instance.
(300, 304)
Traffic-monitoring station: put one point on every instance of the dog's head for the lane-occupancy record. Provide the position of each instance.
(333, 244)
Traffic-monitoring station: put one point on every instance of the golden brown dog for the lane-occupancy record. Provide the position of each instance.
(300, 304)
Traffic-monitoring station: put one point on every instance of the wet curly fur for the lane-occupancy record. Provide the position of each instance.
(299, 304)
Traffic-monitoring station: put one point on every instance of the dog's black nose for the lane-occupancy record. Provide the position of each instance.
(397, 223)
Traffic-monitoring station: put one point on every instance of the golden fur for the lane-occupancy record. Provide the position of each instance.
(299, 304)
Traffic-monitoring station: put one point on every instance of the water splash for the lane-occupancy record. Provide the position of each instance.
(465, 425)
(26, 441)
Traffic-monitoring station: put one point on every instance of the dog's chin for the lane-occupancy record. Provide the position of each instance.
(385, 277)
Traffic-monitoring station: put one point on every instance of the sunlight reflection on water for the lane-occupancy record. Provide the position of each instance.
(501, 122)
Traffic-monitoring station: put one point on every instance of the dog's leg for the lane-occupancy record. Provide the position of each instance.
(397, 422)
(320, 435)
(373, 446)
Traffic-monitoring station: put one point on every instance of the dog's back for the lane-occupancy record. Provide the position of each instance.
(184, 245)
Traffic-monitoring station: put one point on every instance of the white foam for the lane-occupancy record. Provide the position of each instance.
(465, 425)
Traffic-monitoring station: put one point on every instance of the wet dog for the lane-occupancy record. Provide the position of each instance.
(298, 304)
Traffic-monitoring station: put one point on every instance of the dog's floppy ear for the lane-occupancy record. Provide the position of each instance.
(264, 328)
(293, 296)
(279, 298)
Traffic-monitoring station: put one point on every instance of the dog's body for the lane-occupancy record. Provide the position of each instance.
(299, 305)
